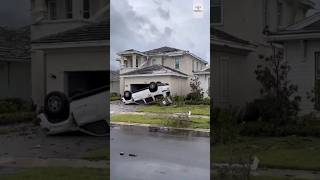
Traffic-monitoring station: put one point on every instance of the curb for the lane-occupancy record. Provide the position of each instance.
(205, 132)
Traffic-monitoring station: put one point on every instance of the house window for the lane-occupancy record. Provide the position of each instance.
(177, 63)
(52, 9)
(216, 12)
(137, 62)
(86, 9)
(280, 13)
(192, 65)
(69, 9)
(154, 61)
(317, 81)
(197, 66)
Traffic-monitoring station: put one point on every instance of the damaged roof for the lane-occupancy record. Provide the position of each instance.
(91, 32)
(153, 70)
(15, 44)
(161, 50)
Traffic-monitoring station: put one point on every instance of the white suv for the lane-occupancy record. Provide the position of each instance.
(156, 91)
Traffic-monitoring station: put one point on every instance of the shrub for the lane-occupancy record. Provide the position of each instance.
(179, 101)
(13, 105)
(226, 124)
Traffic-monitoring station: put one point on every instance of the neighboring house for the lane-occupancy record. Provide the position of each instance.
(114, 82)
(204, 79)
(15, 81)
(70, 46)
(168, 65)
(301, 43)
(239, 41)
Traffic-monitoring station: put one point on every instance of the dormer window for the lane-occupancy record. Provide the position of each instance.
(52, 9)
(86, 9)
(177, 63)
(216, 12)
(69, 9)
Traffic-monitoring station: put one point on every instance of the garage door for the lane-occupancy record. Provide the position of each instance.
(83, 81)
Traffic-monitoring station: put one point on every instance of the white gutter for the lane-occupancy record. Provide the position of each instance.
(61, 45)
(229, 44)
(148, 75)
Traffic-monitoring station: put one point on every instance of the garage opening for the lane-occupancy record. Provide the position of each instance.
(83, 81)
(138, 87)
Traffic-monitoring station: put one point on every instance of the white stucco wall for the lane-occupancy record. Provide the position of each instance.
(302, 71)
(204, 84)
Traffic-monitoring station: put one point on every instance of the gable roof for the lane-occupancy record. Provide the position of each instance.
(15, 44)
(308, 28)
(154, 70)
(91, 32)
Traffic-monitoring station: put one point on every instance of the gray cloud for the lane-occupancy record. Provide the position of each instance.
(15, 13)
(165, 14)
(148, 25)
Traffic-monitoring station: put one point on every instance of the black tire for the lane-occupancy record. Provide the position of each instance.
(56, 106)
(127, 95)
(153, 87)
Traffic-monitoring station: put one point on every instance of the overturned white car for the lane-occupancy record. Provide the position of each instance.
(155, 92)
(86, 112)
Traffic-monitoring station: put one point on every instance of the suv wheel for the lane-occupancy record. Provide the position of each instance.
(153, 87)
(56, 106)
(127, 95)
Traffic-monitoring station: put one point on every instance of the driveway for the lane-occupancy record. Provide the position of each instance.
(158, 155)
(119, 107)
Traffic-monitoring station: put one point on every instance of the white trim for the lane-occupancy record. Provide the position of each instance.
(38, 46)
(149, 75)
(294, 36)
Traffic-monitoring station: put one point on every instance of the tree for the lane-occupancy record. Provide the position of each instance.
(196, 91)
(278, 102)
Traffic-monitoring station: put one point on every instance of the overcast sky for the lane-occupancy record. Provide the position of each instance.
(14, 13)
(147, 24)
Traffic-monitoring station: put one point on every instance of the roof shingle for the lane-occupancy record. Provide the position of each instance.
(92, 32)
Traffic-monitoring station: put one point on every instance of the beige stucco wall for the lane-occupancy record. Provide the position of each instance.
(57, 62)
(302, 71)
(15, 80)
(177, 84)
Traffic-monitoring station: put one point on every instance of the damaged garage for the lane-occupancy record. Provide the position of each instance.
(72, 62)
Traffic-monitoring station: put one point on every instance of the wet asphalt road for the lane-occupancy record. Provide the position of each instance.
(159, 155)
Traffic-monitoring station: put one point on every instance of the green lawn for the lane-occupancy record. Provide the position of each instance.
(286, 152)
(255, 178)
(201, 123)
(60, 173)
(99, 154)
(195, 109)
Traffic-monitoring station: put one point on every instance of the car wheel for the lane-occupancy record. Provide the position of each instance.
(56, 107)
(153, 87)
(127, 95)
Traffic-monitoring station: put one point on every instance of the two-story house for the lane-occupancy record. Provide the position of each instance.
(168, 65)
(70, 46)
(239, 43)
